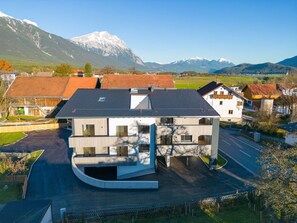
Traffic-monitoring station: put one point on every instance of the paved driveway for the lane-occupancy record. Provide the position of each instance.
(52, 178)
(243, 151)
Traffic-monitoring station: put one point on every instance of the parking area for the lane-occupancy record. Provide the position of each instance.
(52, 178)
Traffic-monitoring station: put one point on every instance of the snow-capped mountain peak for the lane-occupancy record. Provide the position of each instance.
(224, 60)
(24, 20)
(106, 44)
(30, 22)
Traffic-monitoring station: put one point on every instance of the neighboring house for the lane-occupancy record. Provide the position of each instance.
(291, 135)
(24, 211)
(119, 132)
(78, 73)
(40, 96)
(287, 103)
(114, 81)
(261, 96)
(225, 101)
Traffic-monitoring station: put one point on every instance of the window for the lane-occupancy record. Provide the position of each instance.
(143, 129)
(221, 92)
(221, 102)
(230, 93)
(204, 140)
(205, 121)
(186, 138)
(88, 130)
(102, 99)
(239, 103)
(89, 151)
(122, 150)
(122, 130)
(166, 120)
(165, 140)
(230, 112)
(215, 92)
(143, 148)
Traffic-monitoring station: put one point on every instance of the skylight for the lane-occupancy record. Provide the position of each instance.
(101, 99)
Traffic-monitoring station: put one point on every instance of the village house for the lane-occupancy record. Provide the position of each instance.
(261, 96)
(114, 81)
(40, 96)
(291, 135)
(225, 101)
(287, 103)
(117, 133)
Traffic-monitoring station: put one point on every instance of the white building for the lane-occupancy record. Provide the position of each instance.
(119, 132)
(225, 101)
(291, 135)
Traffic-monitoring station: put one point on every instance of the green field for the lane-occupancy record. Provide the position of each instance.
(195, 82)
(10, 192)
(10, 137)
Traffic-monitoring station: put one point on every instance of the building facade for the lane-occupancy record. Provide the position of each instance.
(225, 101)
(124, 130)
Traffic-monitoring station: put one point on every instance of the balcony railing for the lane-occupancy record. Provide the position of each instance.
(222, 96)
(105, 160)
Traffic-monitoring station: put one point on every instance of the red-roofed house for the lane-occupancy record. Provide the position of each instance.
(262, 95)
(137, 81)
(40, 96)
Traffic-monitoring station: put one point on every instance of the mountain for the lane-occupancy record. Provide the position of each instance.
(264, 68)
(22, 41)
(289, 62)
(102, 43)
(193, 64)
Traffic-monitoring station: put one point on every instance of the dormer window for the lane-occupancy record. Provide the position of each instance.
(102, 99)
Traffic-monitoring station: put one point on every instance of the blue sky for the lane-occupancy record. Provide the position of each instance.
(252, 31)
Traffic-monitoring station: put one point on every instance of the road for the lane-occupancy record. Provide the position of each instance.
(243, 151)
(52, 178)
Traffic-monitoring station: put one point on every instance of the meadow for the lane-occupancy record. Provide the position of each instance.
(195, 82)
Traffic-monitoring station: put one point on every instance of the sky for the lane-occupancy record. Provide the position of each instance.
(242, 31)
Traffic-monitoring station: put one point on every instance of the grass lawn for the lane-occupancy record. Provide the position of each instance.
(195, 82)
(13, 192)
(10, 137)
(236, 214)
(22, 118)
(221, 160)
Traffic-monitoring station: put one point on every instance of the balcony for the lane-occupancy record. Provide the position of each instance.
(104, 141)
(222, 96)
(105, 160)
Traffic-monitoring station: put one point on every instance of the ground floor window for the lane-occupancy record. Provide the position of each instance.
(122, 150)
(89, 151)
(186, 138)
(204, 140)
(165, 140)
(142, 148)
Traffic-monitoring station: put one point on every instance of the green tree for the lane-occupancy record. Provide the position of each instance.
(88, 70)
(278, 182)
(132, 70)
(63, 70)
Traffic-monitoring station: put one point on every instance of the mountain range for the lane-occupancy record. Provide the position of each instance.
(22, 41)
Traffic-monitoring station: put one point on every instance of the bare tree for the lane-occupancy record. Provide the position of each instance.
(278, 182)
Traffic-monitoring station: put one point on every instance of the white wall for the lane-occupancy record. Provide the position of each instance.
(47, 218)
(291, 138)
(144, 161)
(228, 104)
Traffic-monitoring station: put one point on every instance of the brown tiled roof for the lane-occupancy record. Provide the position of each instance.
(137, 81)
(49, 86)
(38, 87)
(263, 89)
(79, 82)
(288, 86)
